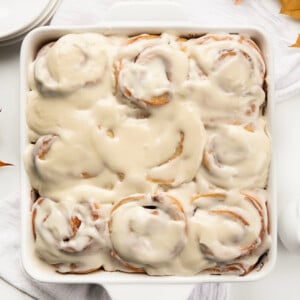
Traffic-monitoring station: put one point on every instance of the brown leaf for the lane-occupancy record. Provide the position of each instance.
(290, 8)
(297, 44)
(3, 164)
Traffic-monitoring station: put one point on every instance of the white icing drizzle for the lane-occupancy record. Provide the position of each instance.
(119, 150)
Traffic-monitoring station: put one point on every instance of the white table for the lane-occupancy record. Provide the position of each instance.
(282, 283)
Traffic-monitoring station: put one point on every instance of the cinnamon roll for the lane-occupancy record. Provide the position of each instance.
(73, 237)
(52, 162)
(237, 155)
(149, 69)
(233, 61)
(72, 62)
(147, 230)
(232, 229)
(226, 76)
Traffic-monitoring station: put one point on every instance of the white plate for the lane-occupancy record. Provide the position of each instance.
(43, 19)
(17, 14)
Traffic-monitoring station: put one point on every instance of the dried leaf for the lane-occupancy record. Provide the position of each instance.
(297, 44)
(290, 8)
(3, 164)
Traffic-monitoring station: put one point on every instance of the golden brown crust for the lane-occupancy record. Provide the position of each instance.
(178, 151)
(141, 37)
(220, 196)
(73, 267)
(45, 146)
(38, 202)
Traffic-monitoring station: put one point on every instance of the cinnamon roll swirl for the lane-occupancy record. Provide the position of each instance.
(232, 229)
(233, 61)
(147, 230)
(175, 155)
(237, 155)
(226, 76)
(183, 162)
(52, 162)
(149, 69)
(151, 155)
(73, 237)
(72, 62)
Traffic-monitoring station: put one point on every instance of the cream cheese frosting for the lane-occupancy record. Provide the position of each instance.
(149, 154)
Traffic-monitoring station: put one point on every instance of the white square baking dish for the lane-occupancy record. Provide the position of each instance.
(41, 271)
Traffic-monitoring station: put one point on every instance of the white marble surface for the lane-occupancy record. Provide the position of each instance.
(283, 282)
